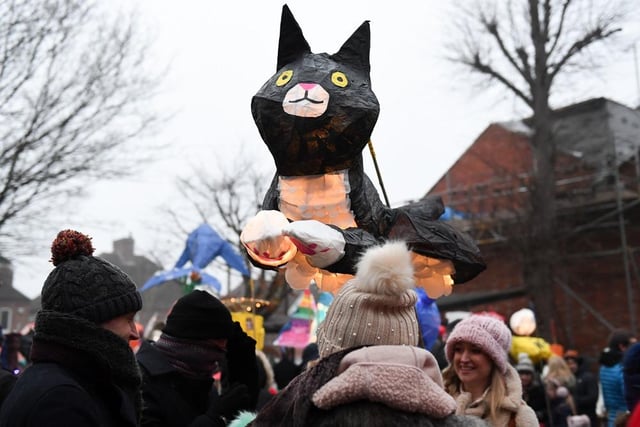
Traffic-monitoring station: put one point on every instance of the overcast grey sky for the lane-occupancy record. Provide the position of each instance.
(220, 55)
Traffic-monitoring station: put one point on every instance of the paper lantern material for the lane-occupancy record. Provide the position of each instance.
(252, 324)
(429, 318)
(300, 330)
(263, 238)
(316, 114)
(523, 322)
(538, 349)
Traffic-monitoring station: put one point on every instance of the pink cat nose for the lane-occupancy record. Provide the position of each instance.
(307, 86)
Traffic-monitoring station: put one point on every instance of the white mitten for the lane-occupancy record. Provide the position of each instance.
(321, 244)
(263, 238)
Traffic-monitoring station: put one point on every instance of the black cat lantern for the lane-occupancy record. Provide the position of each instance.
(316, 115)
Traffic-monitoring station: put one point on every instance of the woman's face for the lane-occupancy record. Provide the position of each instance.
(573, 365)
(526, 378)
(472, 366)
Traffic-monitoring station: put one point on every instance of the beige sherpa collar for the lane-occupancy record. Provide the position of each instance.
(402, 377)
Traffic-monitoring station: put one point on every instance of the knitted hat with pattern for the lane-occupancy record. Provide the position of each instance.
(376, 307)
(84, 285)
(486, 332)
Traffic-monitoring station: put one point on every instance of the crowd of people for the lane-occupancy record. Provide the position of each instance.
(87, 363)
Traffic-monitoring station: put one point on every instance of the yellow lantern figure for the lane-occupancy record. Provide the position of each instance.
(523, 324)
(252, 324)
(244, 311)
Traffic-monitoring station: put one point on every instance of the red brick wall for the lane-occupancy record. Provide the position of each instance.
(486, 178)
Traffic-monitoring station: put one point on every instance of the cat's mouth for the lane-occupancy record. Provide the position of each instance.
(306, 100)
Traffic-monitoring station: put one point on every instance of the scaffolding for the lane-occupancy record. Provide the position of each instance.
(598, 183)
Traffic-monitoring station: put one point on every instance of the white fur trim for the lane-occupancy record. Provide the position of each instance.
(385, 270)
(268, 370)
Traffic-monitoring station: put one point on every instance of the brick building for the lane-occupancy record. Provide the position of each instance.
(14, 306)
(597, 282)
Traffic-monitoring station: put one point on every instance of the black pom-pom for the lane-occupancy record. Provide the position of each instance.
(69, 244)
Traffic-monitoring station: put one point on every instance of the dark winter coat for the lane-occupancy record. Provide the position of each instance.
(560, 410)
(292, 406)
(585, 393)
(631, 376)
(170, 398)
(535, 397)
(7, 380)
(82, 375)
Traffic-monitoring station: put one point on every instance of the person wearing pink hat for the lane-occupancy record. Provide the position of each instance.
(479, 376)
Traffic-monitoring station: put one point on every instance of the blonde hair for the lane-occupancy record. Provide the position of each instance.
(450, 380)
(559, 371)
(495, 395)
(497, 392)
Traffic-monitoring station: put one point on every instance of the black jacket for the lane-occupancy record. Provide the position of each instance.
(82, 375)
(171, 399)
(7, 380)
(585, 394)
(50, 395)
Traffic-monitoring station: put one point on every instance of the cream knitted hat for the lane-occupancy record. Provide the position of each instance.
(376, 307)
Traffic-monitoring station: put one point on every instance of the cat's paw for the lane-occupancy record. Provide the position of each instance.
(320, 243)
(264, 240)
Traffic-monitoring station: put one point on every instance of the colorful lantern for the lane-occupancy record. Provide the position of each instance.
(316, 115)
(523, 325)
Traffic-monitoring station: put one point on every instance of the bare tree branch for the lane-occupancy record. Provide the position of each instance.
(550, 49)
(491, 25)
(226, 198)
(560, 27)
(73, 94)
(578, 46)
(484, 68)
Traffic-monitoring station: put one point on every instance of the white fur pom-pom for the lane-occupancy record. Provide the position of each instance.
(385, 270)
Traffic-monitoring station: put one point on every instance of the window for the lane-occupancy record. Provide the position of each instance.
(5, 318)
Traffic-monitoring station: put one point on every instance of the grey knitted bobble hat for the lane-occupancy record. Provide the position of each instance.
(86, 286)
(524, 363)
(376, 307)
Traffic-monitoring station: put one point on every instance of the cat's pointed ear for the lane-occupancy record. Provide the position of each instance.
(355, 50)
(292, 42)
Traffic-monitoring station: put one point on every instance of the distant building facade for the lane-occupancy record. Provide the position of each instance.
(597, 284)
(14, 306)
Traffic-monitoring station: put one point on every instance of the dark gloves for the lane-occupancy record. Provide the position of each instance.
(227, 405)
(239, 341)
(242, 366)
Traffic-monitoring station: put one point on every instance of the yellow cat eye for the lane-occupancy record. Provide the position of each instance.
(339, 79)
(284, 78)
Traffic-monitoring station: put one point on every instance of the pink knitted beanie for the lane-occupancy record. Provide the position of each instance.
(488, 333)
(376, 307)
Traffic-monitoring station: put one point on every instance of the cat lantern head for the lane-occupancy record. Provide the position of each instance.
(317, 112)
